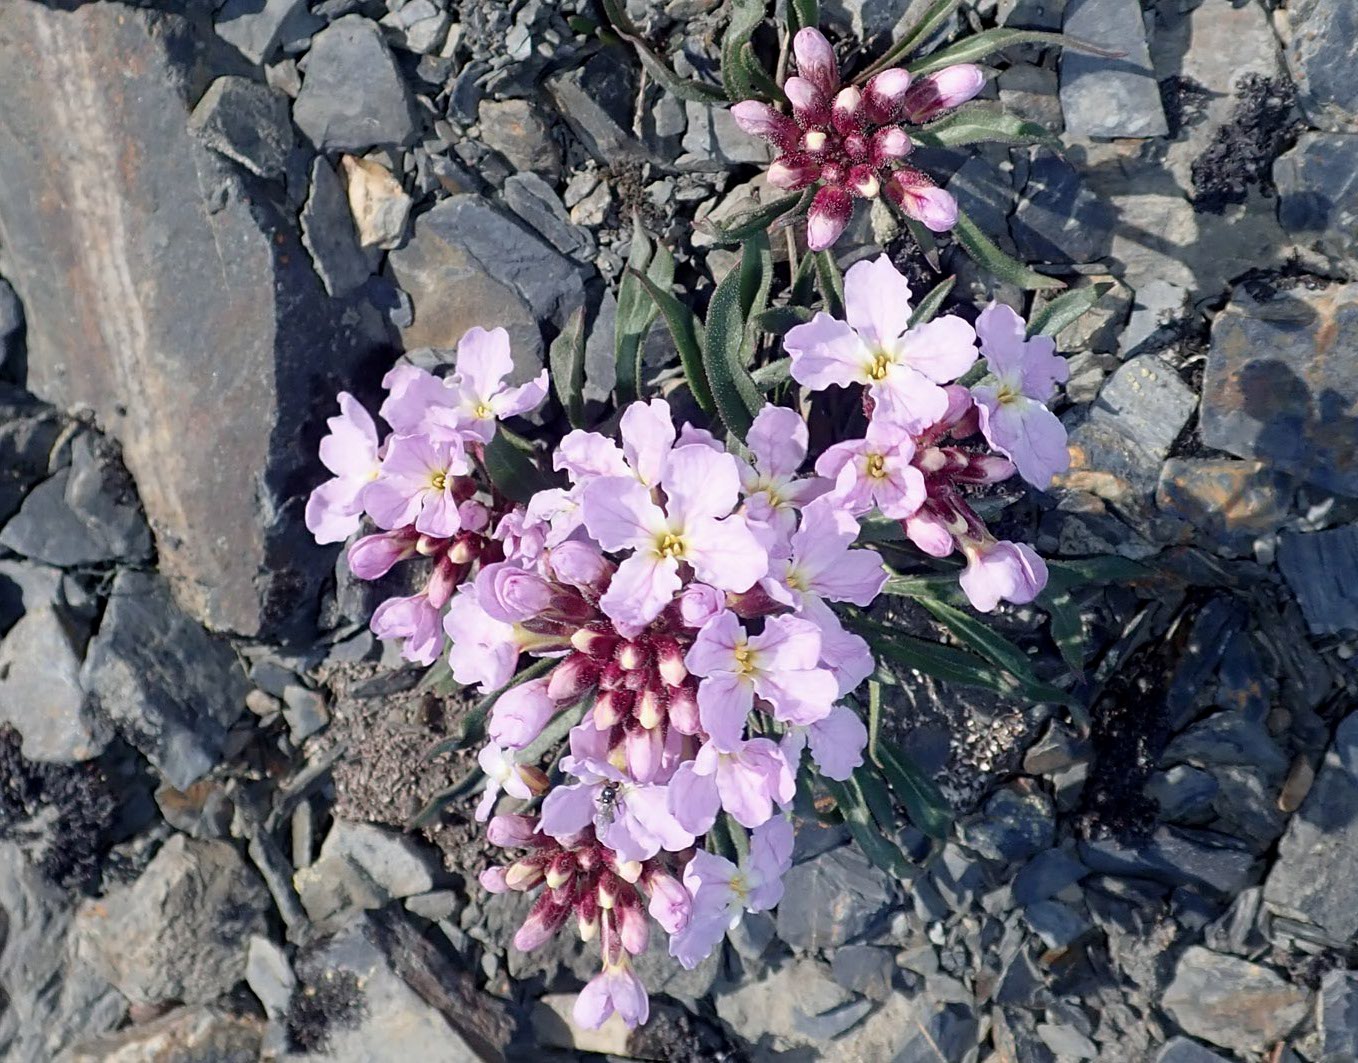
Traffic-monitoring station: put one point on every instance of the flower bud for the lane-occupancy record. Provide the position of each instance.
(580, 565)
(519, 714)
(671, 905)
(863, 180)
(572, 677)
(816, 60)
(644, 749)
(649, 708)
(633, 929)
(683, 710)
(612, 707)
(986, 469)
(598, 644)
(760, 120)
(810, 106)
(627, 870)
(857, 147)
(523, 874)
(610, 889)
(699, 603)
(793, 171)
(373, 556)
(429, 545)
(846, 112)
(492, 880)
(830, 212)
(443, 581)
(884, 94)
(631, 656)
(612, 676)
(511, 594)
(534, 778)
(889, 144)
(560, 871)
(941, 91)
(670, 660)
(509, 832)
(919, 198)
(465, 548)
(544, 919)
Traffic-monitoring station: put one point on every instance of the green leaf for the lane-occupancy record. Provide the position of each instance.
(733, 389)
(567, 359)
(979, 45)
(982, 124)
(636, 310)
(979, 247)
(770, 376)
(929, 306)
(831, 283)
(853, 806)
(802, 13)
(912, 38)
(758, 83)
(922, 236)
(780, 320)
(693, 91)
(803, 281)
(1067, 627)
(924, 803)
(980, 637)
(756, 275)
(514, 474)
(745, 17)
(1107, 568)
(434, 807)
(1066, 309)
(756, 220)
(688, 339)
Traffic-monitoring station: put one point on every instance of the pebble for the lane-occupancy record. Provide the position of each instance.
(1317, 184)
(257, 29)
(1110, 97)
(832, 899)
(1013, 826)
(1230, 502)
(378, 205)
(361, 866)
(1321, 54)
(1337, 1015)
(1233, 1003)
(247, 122)
(517, 131)
(328, 234)
(1059, 219)
(353, 95)
(1177, 857)
(1182, 1050)
(596, 100)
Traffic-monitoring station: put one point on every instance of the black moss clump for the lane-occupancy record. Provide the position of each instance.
(334, 1001)
(58, 813)
(1241, 154)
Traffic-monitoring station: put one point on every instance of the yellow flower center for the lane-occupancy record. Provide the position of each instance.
(795, 580)
(881, 364)
(1007, 394)
(876, 467)
(669, 545)
(744, 660)
(483, 412)
(438, 481)
(740, 885)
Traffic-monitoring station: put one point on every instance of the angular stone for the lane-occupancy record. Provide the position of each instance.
(353, 95)
(1059, 219)
(1046, 874)
(247, 122)
(1317, 185)
(328, 234)
(517, 131)
(170, 687)
(178, 931)
(1183, 793)
(864, 969)
(361, 866)
(27, 431)
(269, 975)
(129, 241)
(713, 141)
(1233, 1003)
(185, 1035)
(1231, 502)
(84, 515)
(379, 206)
(1013, 826)
(783, 1005)
(11, 324)
(1322, 54)
(1110, 97)
(1321, 567)
(1337, 1016)
(596, 100)
(1315, 877)
(258, 27)
(1177, 857)
(533, 200)
(831, 899)
(1182, 1050)
(1228, 738)
(1279, 386)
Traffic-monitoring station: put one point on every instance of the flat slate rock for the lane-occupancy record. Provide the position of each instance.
(1110, 97)
(1315, 877)
(1337, 1016)
(832, 898)
(1233, 1003)
(1280, 386)
(1317, 184)
(1177, 858)
(1322, 55)
(1322, 570)
(353, 95)
(247, 122)
(257, 28)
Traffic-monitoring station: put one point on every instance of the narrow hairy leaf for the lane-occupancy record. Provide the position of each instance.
(1066, 309)
(912, 37)
(514, 474)
(924, 803)
(982, 123)
(680, 88)
(802, 13)
(768, 377)
(980, 45)
(567, 359)
(733, 389)
(831, 283)
(756, 220)
(979, 247)
(780, 320)
(980, 637)
(1067, 627)
(745, 17)
(687, 333)
(930, 305)
(853, 806)
(923, 238)
(636, 310)
(1108, 568)
(757, 83)
(433, 808)
(756, 275)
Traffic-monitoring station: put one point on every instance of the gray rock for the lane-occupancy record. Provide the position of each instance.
(832, 899)
(517, 131)
(176, 932)
(169, 687)
(1046, 875)
(867, 18)
(1277, 387)
(713, 141)
(223, 485)
(864, 969)
(247, 122)
(53, 996)
(798, 1004)
(28, 430)
(987, 195)
(1337, 1016)
(596, 100)
(1182, 1050)
(1231, 502)
(421, 26)
(1320, 568)
(1177, 857)
(1158, 306)
(1012, 827)
(1059, 219)
(1322, 49)
(361, 866)
(1228, 738)
(185, 1034)
(1317, 185)
(11, 324)
(1110, 97)
(1184, 794)
(412, 1003)
(269, 975)
(947, 1033)
(328, 234)
(40, 692)
(1066, 1041)
(1315, 878)
(258, 27)
(1233, 1003)
(1032, 93)
(533, 200)
(306, 712)
(84, 515)
(1058, 925)
(24, 587)
(353, 95)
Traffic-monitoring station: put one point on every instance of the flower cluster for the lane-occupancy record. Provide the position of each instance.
(920, 453)
(851, 141)
(683, 602)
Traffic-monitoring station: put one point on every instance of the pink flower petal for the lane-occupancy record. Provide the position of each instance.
(877, 301)
(826, 351)
(831, 209)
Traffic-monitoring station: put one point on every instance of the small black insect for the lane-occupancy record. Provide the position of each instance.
(608, 800)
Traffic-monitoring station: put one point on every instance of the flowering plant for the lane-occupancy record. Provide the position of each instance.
(694, 613)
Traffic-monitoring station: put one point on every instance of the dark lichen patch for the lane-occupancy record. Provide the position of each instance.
(333, 1002)
(1263, 123)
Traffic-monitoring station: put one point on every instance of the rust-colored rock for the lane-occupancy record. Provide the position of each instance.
(167, 291)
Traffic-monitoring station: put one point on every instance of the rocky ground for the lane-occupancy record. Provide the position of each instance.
(215, 215)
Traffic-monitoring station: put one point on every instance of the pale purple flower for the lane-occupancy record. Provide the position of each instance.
(902, 367)
(699, 603)
(484, 651)
(723, 892)
(779, 665)
(876, 471)
(349, 450)
(416, 621)
(523, 538)
(648, 437)
(412, 393)
(918, 197)
(417, 486)
(822, 563)
(373, 556)
(747, 782)
(480, 397)
(1002, 571)
(670, 903)
(930, 533)
(845, 654)
(502, 774)
(512, 594)
(520, 714)
(694, 528)
(837, 743)
(614, 989)
(580, 565)
(777, 442)
(1013, 410)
